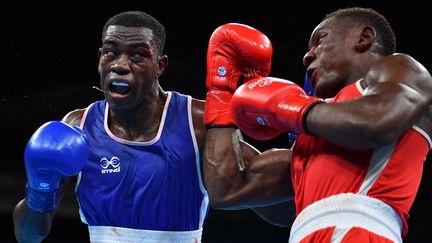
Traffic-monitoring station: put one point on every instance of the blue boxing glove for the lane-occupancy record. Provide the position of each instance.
(307, 87)
(55, 150)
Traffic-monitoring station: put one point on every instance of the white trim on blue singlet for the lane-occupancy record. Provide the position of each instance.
(205, 202)
(146, 143)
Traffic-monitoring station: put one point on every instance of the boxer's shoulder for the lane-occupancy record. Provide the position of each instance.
(197, 107)
(198, 118)
(74, 117)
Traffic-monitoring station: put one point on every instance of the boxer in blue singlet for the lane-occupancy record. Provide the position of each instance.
(159, 178)
(137, 153)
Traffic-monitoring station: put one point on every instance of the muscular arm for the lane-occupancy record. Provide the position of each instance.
(32, 226)
(237, 176)
(398, 93)
(264, 181)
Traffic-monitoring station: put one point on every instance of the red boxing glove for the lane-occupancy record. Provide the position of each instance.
(233, 50)
(263, 108)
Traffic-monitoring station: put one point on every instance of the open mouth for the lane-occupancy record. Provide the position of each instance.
(119, 87)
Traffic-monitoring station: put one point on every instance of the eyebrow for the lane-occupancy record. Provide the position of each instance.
(109, 42)
(135, 45)
(316, 33)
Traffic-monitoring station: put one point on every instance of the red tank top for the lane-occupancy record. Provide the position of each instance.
(391, 173)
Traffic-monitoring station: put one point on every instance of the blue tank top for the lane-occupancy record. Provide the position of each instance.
(153, 185)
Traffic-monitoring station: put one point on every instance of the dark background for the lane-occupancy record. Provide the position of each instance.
(48, 63)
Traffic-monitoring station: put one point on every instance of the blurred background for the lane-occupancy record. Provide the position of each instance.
(49, 56)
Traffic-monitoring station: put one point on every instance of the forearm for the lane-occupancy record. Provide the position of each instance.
(369, 121)
(34, 224)
(264, 181)
(30, 226)
(223, 176)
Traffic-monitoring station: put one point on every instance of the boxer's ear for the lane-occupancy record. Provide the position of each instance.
(162, 64)
(366, 37)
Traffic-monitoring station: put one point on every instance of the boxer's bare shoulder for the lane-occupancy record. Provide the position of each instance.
(74, 117)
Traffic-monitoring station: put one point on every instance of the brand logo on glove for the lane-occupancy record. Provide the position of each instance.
(260, 82)
(261, 121)
(113, 163)
(221, 70)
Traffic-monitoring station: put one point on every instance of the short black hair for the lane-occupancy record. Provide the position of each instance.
(368, 16)
(139, 19)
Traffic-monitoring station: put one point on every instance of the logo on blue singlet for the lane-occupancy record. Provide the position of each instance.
(110, 166)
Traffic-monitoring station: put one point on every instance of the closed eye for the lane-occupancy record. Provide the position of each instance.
(320, 38)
